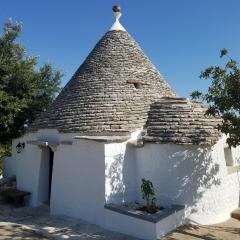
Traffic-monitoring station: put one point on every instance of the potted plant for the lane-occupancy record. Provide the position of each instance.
(148, 195)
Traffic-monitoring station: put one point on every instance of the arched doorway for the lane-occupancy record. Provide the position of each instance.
(45, 175)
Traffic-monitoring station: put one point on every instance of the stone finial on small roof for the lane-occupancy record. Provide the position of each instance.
(116, 8)
(117, 14)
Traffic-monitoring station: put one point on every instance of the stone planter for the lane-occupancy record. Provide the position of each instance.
(143, 225)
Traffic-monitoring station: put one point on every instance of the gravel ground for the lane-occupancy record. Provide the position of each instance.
(35, 223)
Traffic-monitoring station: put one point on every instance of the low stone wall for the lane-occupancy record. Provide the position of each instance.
(143, 225)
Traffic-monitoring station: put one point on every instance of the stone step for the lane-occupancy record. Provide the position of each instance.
(236, 214)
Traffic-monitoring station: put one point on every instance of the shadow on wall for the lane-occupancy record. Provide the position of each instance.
(122, 177)
(180, 174)
(184, 175)
(116, 179)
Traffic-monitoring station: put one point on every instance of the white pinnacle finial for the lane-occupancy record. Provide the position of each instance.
(117, 14)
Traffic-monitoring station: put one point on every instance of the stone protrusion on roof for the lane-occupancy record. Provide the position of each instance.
(110, 93)
(180, 121)
(117, 14)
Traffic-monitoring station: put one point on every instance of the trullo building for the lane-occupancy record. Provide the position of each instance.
(115, 122)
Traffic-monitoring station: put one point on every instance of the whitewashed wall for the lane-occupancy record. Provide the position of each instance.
(192, 176)
(31, 165)
(120, 173)
(236, 156)
(78, 181)
(88, 173)
(27, 167)
(140, 228)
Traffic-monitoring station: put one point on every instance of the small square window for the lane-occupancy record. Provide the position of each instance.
(137, 85)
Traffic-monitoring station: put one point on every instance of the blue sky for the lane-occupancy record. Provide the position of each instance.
(181, 37)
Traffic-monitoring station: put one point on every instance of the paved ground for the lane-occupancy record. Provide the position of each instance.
(16, 232)
(229, 230)
(35, 223)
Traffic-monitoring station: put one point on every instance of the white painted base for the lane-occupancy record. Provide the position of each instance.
(140, 228)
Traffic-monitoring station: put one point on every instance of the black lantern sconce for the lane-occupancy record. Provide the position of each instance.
(20, 147)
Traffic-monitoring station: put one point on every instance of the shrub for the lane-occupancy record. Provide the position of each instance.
(148, 194)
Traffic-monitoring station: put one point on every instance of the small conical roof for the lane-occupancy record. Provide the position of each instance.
(180, 121)
(110, 93)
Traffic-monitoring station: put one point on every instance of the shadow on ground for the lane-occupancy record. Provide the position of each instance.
(17, 232)
(229, 230)
(36, 223)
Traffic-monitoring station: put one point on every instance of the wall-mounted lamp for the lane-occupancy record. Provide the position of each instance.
(20, 147)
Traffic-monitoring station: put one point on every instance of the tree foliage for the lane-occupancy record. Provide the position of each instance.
(25, 89)
(223, 96)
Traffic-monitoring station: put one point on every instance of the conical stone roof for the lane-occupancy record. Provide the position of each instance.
(180, 121)
(110, 93)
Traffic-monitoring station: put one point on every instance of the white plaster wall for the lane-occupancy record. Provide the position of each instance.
(48, 135)
(31, 165)
(192, 176)
(128, 225)
(140, 228)
(87, 174)
(170, 223)
(236, 156)
(78, 181)
(120, 173)
(27, 167)
(120, 170)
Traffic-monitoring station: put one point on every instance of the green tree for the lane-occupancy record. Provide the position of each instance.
(223, 96)
(25, 89)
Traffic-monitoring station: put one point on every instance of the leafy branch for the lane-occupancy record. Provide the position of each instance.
(223, 96)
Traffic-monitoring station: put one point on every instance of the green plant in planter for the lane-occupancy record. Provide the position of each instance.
(148, 195)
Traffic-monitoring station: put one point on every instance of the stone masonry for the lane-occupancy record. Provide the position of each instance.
(102, 98)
